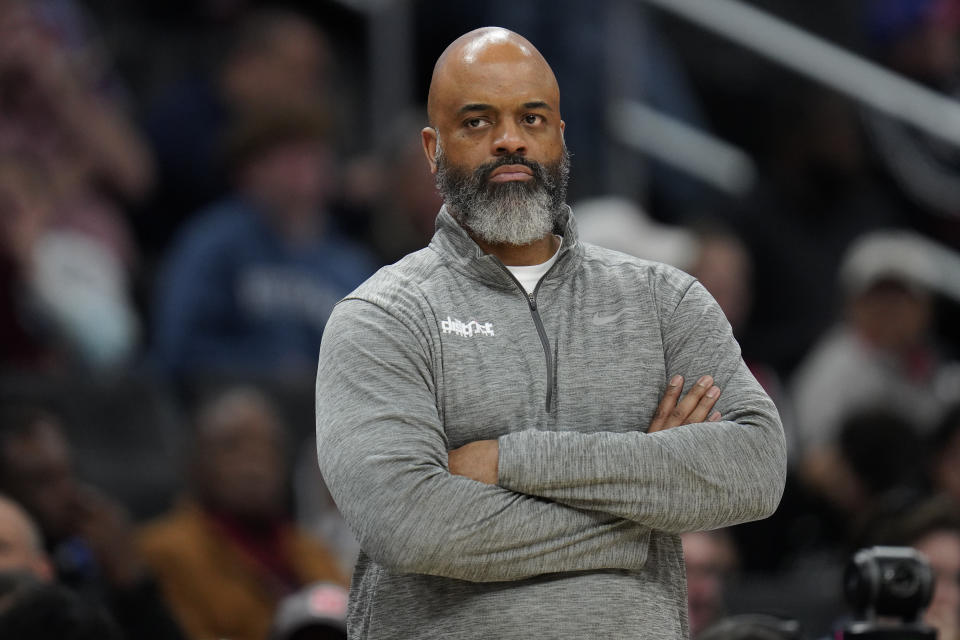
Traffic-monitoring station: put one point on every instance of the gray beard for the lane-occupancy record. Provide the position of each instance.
(512, 213)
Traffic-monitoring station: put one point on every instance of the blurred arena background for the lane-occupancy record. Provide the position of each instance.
(186, 189)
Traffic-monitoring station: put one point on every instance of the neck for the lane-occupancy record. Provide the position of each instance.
(512, 255)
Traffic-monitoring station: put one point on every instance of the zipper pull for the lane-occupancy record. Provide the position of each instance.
(533, 302)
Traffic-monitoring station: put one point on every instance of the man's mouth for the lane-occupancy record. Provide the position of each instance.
(511, 173)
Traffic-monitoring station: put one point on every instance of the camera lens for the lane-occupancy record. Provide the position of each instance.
(888, 581)
(901, 579)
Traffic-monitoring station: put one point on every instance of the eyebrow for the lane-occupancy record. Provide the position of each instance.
(479, 106)
(475, 106)
(537, 104)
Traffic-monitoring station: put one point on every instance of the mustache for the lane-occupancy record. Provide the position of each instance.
(482, 173)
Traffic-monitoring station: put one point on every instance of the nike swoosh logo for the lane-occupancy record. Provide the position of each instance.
(599, 320)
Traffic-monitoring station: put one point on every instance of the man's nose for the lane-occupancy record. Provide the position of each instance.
(509, 140)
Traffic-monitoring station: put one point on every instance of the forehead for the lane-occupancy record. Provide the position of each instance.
(13, 525)
(502, 82)
(239, 418)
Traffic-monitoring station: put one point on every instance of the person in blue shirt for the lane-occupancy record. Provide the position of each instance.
(249, 283)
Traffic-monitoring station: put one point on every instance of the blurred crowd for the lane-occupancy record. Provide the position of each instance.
(187, 188)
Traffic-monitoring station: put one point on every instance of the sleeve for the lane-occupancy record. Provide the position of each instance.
(383, 454)
(694, 477)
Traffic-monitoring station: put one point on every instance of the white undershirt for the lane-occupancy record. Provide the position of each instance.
(530, 276)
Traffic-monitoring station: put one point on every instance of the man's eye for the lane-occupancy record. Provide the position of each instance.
(533, 118)
(474, 123)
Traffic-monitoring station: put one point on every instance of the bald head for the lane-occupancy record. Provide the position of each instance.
(235, 410)
(239, 467)
(495, 143)
(490, 53)
(21, 548)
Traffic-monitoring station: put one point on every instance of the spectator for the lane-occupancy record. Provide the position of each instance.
(945, 446)
(228, 554)
(21, 545)
(88, 536)
(66, 297)
(248, 286)
(710, 558)
(932, 527)
(23, 562)
(59, 116)
(881, 356)
(878, 458)
(54, 77)
(723, 266)
(276, 59)
(400, 191)
(881, 459)
(61, 126)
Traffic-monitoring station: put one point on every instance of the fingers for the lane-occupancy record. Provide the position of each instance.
(707, 395)
(667, 404)
(695, 406)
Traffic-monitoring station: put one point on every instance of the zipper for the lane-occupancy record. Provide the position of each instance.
(532, 301)
(538, 323)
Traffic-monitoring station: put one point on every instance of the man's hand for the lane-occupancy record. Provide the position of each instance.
(476, 460)
(694, 407)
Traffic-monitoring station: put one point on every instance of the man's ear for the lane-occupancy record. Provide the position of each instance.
(429, 138)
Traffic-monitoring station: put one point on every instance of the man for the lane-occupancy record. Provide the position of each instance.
(481, 423)
(21, 547)
(710, 557)
(248, 285)
(882, 355)
(227, 555)
(88, 536)
(272, 59)
(932, 527)
(31, 604)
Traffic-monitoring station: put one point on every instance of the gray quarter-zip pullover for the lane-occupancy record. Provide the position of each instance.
(579, 538)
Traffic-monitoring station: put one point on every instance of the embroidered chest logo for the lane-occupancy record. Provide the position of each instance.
(599, 320)
(466, 329)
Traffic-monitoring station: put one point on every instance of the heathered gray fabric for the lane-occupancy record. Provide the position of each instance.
(579, 540)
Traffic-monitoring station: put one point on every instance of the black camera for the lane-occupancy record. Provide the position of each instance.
(888, 588)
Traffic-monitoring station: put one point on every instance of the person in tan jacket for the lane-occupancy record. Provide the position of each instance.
(227, 554)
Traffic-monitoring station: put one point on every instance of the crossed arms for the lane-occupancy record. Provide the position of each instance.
(480, 460)
(383, 452)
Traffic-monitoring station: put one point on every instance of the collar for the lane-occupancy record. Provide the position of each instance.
(465, 256)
